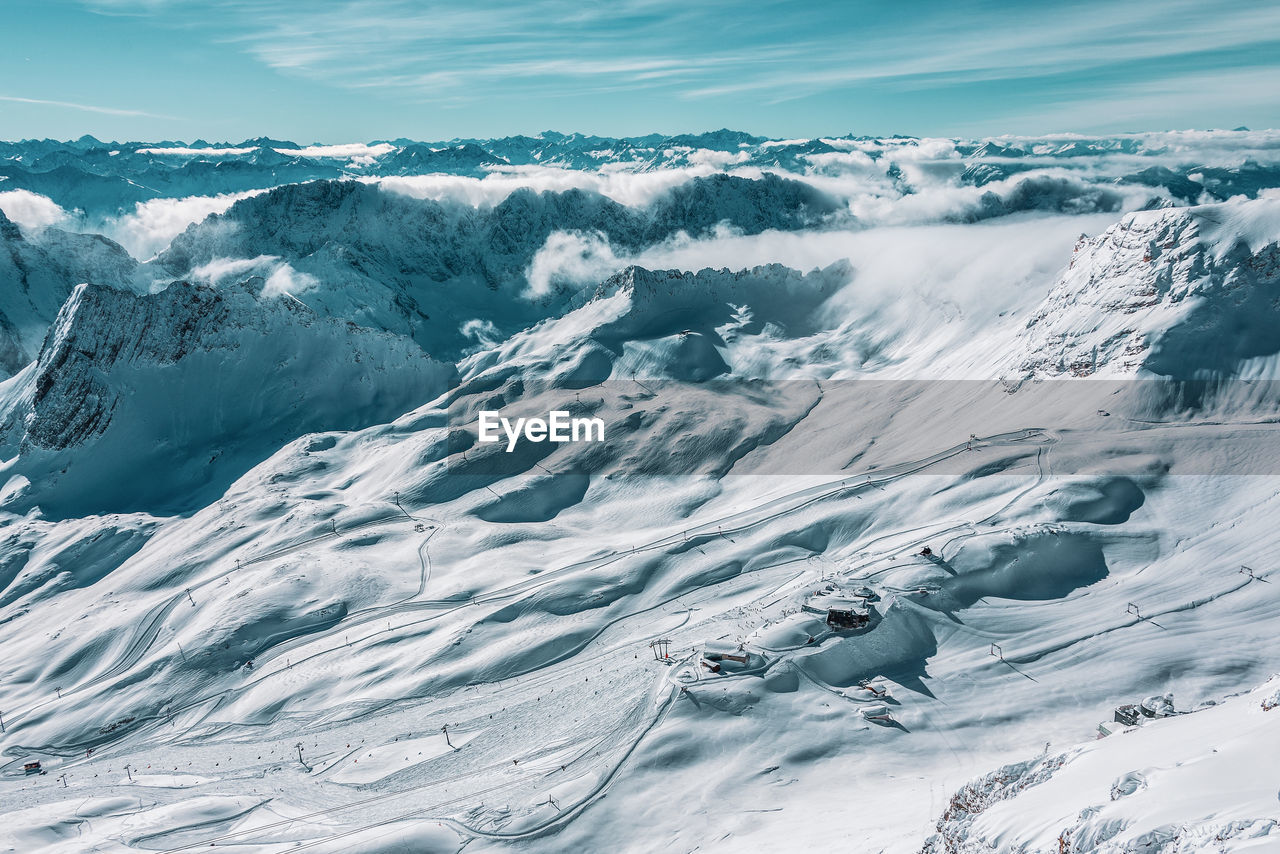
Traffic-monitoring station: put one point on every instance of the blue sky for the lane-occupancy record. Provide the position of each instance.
(312, 70)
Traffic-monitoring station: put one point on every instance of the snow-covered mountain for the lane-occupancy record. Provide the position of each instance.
(919, 458)
(193, 385)
(1182, 292)
(1180, 784)
(422, 267)
(37, 273)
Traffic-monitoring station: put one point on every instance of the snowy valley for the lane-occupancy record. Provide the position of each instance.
(922, 457)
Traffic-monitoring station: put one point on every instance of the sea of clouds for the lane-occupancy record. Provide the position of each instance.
(905, 215)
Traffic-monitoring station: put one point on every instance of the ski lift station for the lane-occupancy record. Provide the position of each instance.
(843, 610)
(847, 613)
(723, 653)
(1136, 714)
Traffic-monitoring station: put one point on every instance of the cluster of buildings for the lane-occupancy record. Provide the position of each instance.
(842, 610)
(1136, 714)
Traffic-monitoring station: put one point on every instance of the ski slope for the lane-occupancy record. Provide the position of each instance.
(366, 631)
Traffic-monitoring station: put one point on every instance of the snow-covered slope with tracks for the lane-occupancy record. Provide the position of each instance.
(263, 589)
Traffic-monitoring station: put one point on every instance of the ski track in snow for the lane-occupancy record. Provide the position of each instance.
(354, 637)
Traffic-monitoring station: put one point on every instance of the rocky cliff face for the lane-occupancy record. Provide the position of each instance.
(192, 384)
(99, 331)
(1181, 293)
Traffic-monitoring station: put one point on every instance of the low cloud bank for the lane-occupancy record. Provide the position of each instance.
(281, 278)
(906, 279)
(634, 189)
(153, 225)
(31, 210)
(571, 259)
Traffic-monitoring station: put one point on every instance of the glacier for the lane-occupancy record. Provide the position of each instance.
(1008, 405)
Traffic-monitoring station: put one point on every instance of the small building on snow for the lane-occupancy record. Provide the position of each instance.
(847, 613)
(719, 650)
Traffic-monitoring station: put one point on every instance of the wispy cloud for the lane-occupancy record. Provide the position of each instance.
(1143, 102)
(718, 51)
(1001, 45)
(86, 108)
(711, 48)
(448, 52)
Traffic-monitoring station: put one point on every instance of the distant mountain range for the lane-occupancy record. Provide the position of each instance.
(104, 178)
